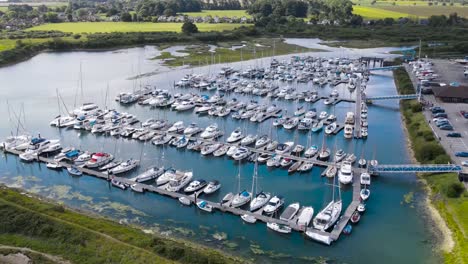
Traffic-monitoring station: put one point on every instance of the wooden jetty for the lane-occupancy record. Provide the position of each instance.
(334, 234)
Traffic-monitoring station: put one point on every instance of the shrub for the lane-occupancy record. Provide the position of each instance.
(416, 107)
(454, 189)
(76, 36)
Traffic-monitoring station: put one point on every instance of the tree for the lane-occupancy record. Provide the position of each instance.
(51, 17)
(388, 21)
(42, 8)
(356, 20)
(189, 28)
(126, 17)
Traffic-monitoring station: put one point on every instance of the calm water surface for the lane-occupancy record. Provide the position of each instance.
(391, 231)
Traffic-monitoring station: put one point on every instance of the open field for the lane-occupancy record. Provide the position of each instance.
(106, 27)
(6, 44)
(427, 11)
(219, 13)
(52, 229)
(376, 13)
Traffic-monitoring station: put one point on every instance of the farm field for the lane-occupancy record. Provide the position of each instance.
(219, 13)
(427, 11)
(106, 27)
(377, 13)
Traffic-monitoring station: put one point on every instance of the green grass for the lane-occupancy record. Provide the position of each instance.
(200, 54)
(427, 11)
(7, 44)
(376, 13)
(106, 27)
(52, 229)
(219, 13)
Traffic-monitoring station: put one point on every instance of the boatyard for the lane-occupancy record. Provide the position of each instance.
(289, 142)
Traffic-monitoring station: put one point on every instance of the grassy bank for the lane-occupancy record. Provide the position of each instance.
(447, 193)
(201, 54)
(107, 27)
(50, 228)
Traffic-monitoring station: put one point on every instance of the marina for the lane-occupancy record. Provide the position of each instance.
(203, 166)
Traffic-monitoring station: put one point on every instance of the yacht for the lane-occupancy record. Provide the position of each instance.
(178, 181)
(311, 151)
(264, 157)
(259, 201)
(306, 166)
(300, 111)
(240, 199)
(125, 166)
(16, 142)
(348, 131)
(284, 229)
(345, 175)
(328, 216)
(221, 150)
(305, 124)
(275, 161)
(262, 141)
(177, 127)
(364, 193)
(82, 158)
(99, 159)
(339, 155)
(241, 153)
(158, 124)
(324, 154)
(211, 131)
(210, 148)
(110, 165)
(365, 178)
(317, 127)
(54, 165)
(231, 151)
(161, 140)
(271, 146)
(185, 105)
(195, 186)
(212, 187)
(150, 174)
(235, 136)
(87, 109)
(304, 217)
(273, 205)
(290, 212)
(330, 128)
(284, 148)
(62, 121)
(192, 129)
(148, 123)
(323, 115)
(248, 140)
(291, 123)
(180, 142)
(203, 109)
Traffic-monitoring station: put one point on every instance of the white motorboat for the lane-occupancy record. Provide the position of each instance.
(323, 115)
(305, 216)
(99, 159)
(212, 187)
(264, 157)
(192, 129)
(125, 166)
(195, 186)
(20, 142)
(279, 228)
(231, 151)
(211, 131)
(328, 216)
(248, 140)
(361, 208)
(241, 153)
(179, 181)
(210, 148)
(351, 158)
(364, 193)
(262, 141)
(73, 170)
(290, 212)
(161, 140)
(339, 155)
(259, 201)
(148, 122)
(325, 239)
(177, 127)
(86, 109)
(345, 175)
(291, 123)
(235, 136)
(184, 106)
(284, 148)
(274, 162)
(166, 176)
(348, 131)
(365, 178)
(110, 165)
(54, 165)
(272, 146)
(185, 201)
(362, 163)
(324, 154)
(203, 109)
(82, 158)
(158, 124)
(305, 123)
(330, 128)
(240, 199)
(181, 142)
(62, 121)
(137, 188)
(311, 151)
(306, 166)
(298, 149)
(300, 111)
(273, 205)
(150, 174)
(249, 218)
(203, 205)
(221, 150)
(119, 184)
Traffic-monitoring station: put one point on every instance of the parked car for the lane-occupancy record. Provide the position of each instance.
(464, 163)
(454, 134)
(462, 154)
(442, 123)
(439, 119)
(446, 127)
(437, 110)
(464, 114)
(444, 115)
